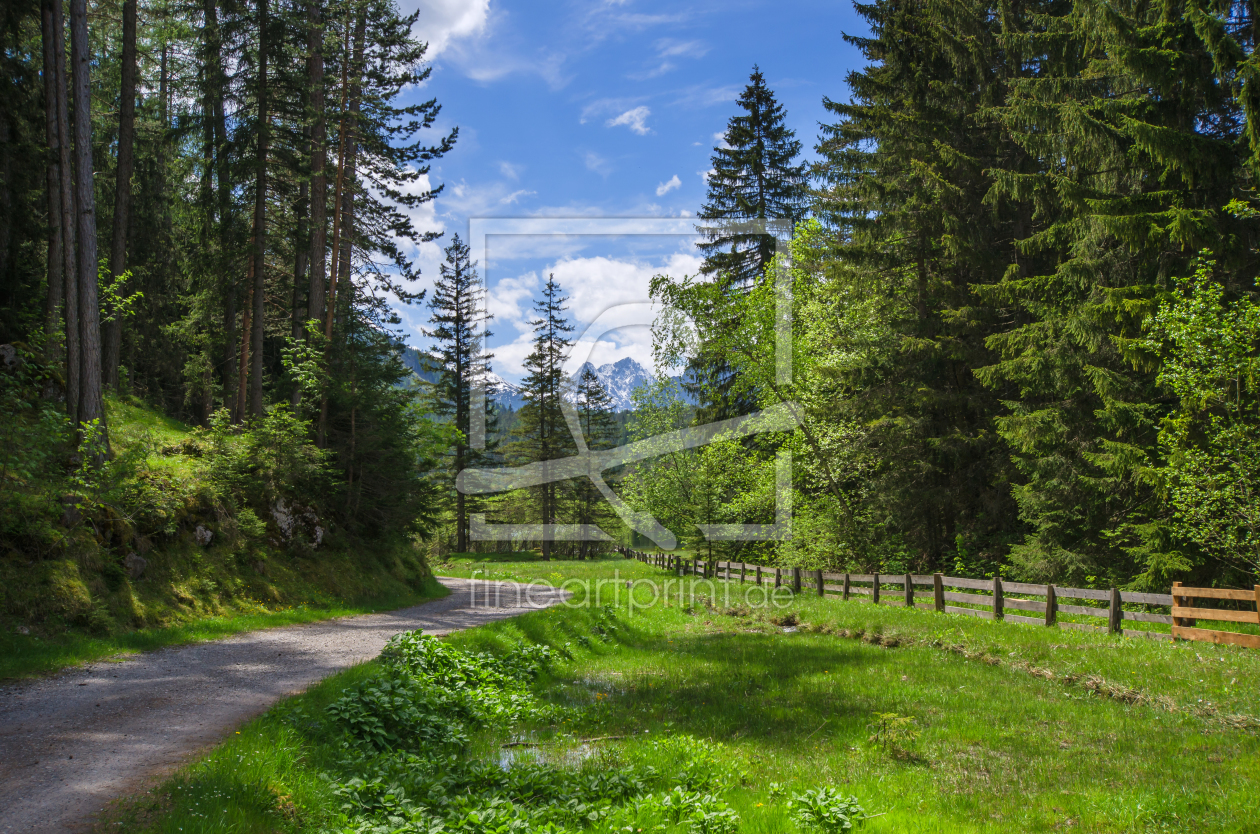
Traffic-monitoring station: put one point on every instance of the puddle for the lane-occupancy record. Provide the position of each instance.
(559, 754)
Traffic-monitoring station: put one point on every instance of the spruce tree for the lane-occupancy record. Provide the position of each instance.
(756, 176)
(599, 430)
(543, 433)
(458, 305)
(903, 188)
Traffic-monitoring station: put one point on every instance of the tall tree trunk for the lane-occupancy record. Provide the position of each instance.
(112, 335)
(69, 219)
(215, 83)
(247, 312)
(56, 263)
(345, 166)
(90, 404)
(346, 243)
(301, 256)
(260, 220)
(319, 156)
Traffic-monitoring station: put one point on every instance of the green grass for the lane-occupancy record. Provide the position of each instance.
(1019, 728)
(72, 600)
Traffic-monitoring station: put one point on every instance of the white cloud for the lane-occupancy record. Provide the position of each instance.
(666, 187)
(479, 199)
(599, 288)
(704, 175)
(697, 96)
(668, 49)
(512, 172)
(598, 164)
(443, 22)
(673, 48)
(634, 119)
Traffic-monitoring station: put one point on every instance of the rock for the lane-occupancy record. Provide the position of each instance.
(203, 534)
(135, 565)
(296, 518)
(23, 630)
(70, 514)
(8, 357)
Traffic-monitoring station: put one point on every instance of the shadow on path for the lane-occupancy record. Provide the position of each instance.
(72, 742)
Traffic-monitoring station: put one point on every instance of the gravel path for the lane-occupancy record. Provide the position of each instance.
(72, 742)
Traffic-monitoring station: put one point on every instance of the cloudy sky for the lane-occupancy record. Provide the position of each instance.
(602, 110)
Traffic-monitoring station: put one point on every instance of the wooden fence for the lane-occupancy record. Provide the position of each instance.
(995, 599)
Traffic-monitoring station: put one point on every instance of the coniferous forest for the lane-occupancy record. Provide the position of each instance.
(1022, 266)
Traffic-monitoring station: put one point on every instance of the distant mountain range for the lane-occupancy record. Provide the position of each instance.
(619, 379)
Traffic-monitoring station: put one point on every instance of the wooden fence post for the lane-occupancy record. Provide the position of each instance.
(938, 591)
(875, 589)
(778, 577)
(1115, 614)
(846, 587)
(796, 580)
(743, 572)
(1052, 606)
(822, 589)
(758, 576)
(997, 598)
(909, 591)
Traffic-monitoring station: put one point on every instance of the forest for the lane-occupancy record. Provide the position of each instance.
(1022, 285)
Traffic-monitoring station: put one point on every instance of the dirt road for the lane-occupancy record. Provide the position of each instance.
(72, 742)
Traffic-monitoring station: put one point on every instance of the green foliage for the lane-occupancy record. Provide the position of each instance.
(894, 734)
(1212, 440)
(826, 809)
(116, 305)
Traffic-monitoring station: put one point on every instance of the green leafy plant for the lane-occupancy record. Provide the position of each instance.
(699, 813)
(826, 809)
(894, 734)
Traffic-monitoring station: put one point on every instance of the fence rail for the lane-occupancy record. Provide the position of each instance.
(992, 600)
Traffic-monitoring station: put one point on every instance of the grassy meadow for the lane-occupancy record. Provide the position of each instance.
(931, 722)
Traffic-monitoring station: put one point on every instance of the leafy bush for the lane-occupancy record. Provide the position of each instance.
(825, 809)
(700, 813)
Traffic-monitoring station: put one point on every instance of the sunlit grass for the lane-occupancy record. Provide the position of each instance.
(1019, 728)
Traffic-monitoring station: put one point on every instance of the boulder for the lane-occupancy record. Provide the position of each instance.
(204, 535)
(135, 565)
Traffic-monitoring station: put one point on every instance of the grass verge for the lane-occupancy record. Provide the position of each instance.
(932, 722)
(26, 655)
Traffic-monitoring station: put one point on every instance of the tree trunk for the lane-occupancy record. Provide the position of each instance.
(56, 262)
(260, 220)
(69, 219)
(112, 335)
(301, 255)
(230, 369)
(343, 200)
(343, 222)
(319, 156)
(90, 405)
(247, 312)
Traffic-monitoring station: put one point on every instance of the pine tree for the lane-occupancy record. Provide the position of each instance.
(459, 314)
(1136, 122)
(903, 188)
(543, 433)
(755, 176)
(599, 431)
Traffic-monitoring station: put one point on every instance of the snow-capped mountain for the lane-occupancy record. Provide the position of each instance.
(503, 393)
(619, 379)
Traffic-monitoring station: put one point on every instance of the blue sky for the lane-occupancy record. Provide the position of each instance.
(603, 109)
